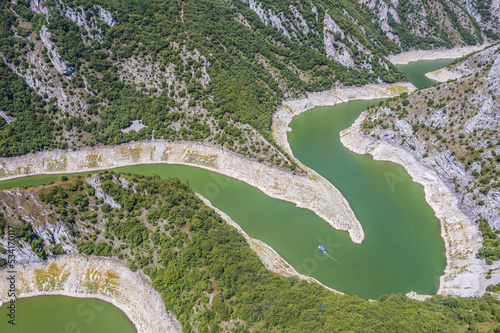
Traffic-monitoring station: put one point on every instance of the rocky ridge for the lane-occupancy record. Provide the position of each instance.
(463, 153)
(465, 274)
(446, 138)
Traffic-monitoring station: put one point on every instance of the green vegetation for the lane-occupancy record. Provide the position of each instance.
(25, 232)
(184, 68)
(491, 247)
(32, 129)
(57, 249)
(208, 275)
(3, 224)
(493, 288)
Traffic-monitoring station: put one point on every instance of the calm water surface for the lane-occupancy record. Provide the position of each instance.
(402, 250)
(61, 314)
(415, 71)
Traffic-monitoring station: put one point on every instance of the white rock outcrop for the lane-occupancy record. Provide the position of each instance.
(269, 17)
(443, 75)
(59, 64)
(465, 274)
(95, 277)
(457, 52)
(8, 119)
(337, 50)
(309, 191)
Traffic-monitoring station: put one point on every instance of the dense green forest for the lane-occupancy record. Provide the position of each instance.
(79, 72)
(208, 275)
(22, 103)
(186, 69)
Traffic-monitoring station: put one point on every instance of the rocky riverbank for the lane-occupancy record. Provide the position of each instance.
(95, 277)
(269, 257)
(464, 68)
(443, 75)
(465, 274)
(291, 108)
(464, 169)
(309, 191)
(456, 52)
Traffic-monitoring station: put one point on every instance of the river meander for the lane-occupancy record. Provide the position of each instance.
(402, 250)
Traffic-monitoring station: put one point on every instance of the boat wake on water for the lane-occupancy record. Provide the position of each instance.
(329, 256)
(322, 248)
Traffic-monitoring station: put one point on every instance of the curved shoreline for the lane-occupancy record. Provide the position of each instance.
(107, 279)
(457, 71)
(464, 273)
(404, 58)
(269, 257)
(71, 275)
(214, 159)
(309, 191)
(291, 108)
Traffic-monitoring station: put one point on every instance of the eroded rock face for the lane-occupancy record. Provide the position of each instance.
(105, 15)
(335, 39)
(56, 233)
(300, 22)
(490, 21)
(269, 17)
(95, 182)
(62, 66)
(495, 9)
(314, 10)
(8, 119)
(38, 8)
(494, 77)
(450, 131)
(341, 46)
(22, 251)
(383, 12)
(89, 19)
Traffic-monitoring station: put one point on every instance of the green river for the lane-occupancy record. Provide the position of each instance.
(402, 250)
(60, 314)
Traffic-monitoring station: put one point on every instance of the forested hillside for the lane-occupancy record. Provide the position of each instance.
(207, 274)
(82, 72)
